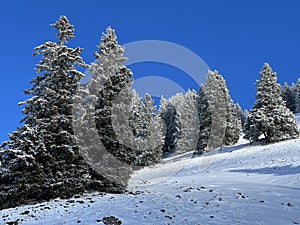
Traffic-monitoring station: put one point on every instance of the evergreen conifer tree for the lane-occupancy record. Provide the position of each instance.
(42, 160)
(205, 121)
(234, 125)
(288, 97)
(216, 122)
(168, 113)
(297, 96)
(116, 77)
(147, 130)
(269, 116)
(179, 114)
(189, 121)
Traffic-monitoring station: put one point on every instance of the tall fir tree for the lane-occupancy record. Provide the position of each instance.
(189, 121)
(297, 96)
(126, 124)
(168, 113)
(245, 115)
(179, 114)
(147, 130)
(269, 116)
(234, 124)
(217, 125)
(41, 160)
(241, 115)
(288, 97)
(116, 77)
(204, 115)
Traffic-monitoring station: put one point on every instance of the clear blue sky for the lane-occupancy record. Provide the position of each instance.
(234, 37)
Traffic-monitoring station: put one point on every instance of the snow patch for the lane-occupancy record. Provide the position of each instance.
(244, 184)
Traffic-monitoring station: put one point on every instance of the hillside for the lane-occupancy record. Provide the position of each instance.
(243, 184)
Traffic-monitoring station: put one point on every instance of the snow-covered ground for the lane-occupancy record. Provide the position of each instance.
(298, 118)
(243, 184)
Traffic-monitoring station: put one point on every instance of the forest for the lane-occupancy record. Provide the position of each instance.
(77, 137)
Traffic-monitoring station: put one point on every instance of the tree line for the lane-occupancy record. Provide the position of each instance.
(47, 157)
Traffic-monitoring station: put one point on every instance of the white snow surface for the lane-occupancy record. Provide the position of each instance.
(243, 184)
(298, 118)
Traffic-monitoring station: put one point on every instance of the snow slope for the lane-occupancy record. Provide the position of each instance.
(298, 118)
(243, 184)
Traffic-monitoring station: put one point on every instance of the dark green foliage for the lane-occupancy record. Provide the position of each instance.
(288, 96)
(41, 160)
(205, 121)
(218, 118)
(297, 96)
(147, 131)
(234, 125)
(169, 115)
(117, 79)
(269, 117)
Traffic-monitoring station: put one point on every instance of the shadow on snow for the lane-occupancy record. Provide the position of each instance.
(276, 170)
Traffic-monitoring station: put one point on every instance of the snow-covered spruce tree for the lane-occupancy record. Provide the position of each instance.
(288, 97)
(269, 116)
(41, 160)
(234, 125)
(216, 121)
(297, 96)
(147, 130)
(109, 65)
(176, 102)
(204, 115)
(180, 116)
(245, 115)
(189, 122)
(241, 115)
(167, 112)
(126, 124)
(142, 113)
